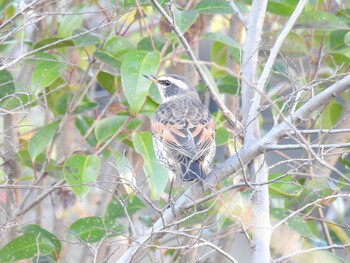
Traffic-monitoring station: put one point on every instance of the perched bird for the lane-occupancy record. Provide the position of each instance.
(183, 130)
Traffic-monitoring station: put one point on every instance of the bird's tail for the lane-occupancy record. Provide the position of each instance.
(192, 170)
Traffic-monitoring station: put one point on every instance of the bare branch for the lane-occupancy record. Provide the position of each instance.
(14, 17)
(303, 146)
(257, 168)
(27, 54)
(323, 199)
(238, 13)
(281, 259)
(278, 44)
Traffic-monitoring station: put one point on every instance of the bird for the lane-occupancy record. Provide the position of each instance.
(183, 130)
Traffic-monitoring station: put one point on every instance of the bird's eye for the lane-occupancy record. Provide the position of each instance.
(167, 83)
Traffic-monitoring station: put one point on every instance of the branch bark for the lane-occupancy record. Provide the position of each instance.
(258, 169)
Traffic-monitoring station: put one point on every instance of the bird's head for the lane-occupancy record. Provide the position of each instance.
(172, 86)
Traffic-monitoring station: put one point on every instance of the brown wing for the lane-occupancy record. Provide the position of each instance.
(185, 128)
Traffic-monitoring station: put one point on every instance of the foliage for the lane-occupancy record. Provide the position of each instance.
(77, 149)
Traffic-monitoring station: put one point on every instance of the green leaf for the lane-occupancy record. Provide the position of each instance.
(184, 19)
(126, 173)
(91, 229)
(318, 257)
(157, 175)
(69, 23)
(330, 115)
(154, 94)
(7, 84)
(7, 9)
(320, 20)
(339, 59)
(25, 247)
(106, 81)
(18, 101)
(221, 136)
(45, 73)
(83, 124)
(347, 39)
(337, 39)
(133, 125)
(228, 85)
(299, 225)
(218, 54)
(293, 45)
(80, 170)
(282, 7)
(149, 107)
(115, 208)
(210, 78)
(131, 3)
(135, 86)
(285, 187)
(39, 57)
(41, 139)
(60, 107)
(55, 94)
(222, 38)
(117, 47)
(296, 223)
(107, 59)
(35, 229)
(340, 233)
(213, 7)
(146, 44)
(52, 169)
(49, 42)
(85, 105)
(108, 126)
(85, 39)
(320, 188)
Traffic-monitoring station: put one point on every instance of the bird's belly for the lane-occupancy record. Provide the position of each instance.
(163, 155)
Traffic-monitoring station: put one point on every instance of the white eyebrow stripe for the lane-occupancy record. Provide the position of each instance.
(177, 82)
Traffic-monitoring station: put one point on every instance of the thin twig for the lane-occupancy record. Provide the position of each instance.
(115, 135)
(323, 199)
(310, 250)
(212, 64)
(238, 13)
(278, 44)
(331, 131)
(14, 17)
(325, 229)
(304, 146)
(16, 60)
(40, 198)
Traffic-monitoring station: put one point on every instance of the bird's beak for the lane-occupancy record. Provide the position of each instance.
(151, 78)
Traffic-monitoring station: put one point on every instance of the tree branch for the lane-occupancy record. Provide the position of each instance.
(303, 146)
(238, 13)
(281, 259)
(257, 168)
(278, 44)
